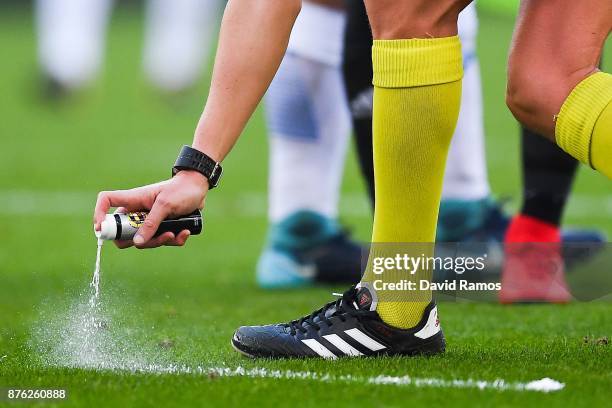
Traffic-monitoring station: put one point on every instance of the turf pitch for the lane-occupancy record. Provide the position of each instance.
(182, 305)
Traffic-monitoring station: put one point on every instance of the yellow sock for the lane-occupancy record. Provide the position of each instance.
(417, 93)
(584, 124)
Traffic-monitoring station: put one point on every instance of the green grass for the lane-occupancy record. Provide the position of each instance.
(122, 134)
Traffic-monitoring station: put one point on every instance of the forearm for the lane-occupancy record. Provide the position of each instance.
(253, 39)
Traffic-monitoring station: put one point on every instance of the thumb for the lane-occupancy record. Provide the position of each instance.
(150, 225)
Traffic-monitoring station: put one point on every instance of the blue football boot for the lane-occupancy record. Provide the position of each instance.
(307, 248)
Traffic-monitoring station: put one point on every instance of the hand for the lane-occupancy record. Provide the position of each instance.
(180, 195)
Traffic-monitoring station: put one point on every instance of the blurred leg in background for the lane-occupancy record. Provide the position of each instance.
(179, 36)
(308, 125)
(71, 41)
(178, 39)
(357, 76)
(548, 175)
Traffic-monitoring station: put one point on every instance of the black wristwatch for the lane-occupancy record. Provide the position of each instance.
(193, 159)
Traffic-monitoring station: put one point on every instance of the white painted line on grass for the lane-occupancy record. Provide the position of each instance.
(70, 203)
(543, 385)
(244, 204)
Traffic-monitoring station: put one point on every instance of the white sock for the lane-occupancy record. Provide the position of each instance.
(178, 39)
(308, 119)
(71, 38)
(466, 169)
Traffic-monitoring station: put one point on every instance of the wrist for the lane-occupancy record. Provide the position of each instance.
(194, 177)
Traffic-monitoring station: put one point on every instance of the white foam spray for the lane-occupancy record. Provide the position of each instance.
(86, 334)
(95, 281)
(89, 335)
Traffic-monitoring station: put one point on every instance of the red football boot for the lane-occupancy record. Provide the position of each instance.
(533, 268)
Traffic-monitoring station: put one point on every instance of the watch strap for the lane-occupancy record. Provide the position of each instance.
(193, 159)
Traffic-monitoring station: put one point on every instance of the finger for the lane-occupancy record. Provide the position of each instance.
(122, 244)
(180, 239)
(135, 199)
(121, 210)
(163, 239)
(102, 207)
(158, 213)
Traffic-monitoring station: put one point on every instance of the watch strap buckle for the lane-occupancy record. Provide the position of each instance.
(215, 175)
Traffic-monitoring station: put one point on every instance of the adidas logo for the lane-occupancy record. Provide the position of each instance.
(342, 345)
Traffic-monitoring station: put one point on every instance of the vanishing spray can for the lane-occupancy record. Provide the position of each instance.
(124, 226)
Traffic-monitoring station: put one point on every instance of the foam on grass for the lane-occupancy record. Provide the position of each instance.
(544, 385)
(85, 335)
(82, 342)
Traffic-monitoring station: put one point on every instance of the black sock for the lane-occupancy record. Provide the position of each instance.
(357, 70)
(548, 173)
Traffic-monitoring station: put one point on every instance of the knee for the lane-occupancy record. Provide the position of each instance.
(534, 97)
(537, 90)
(521, 98)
